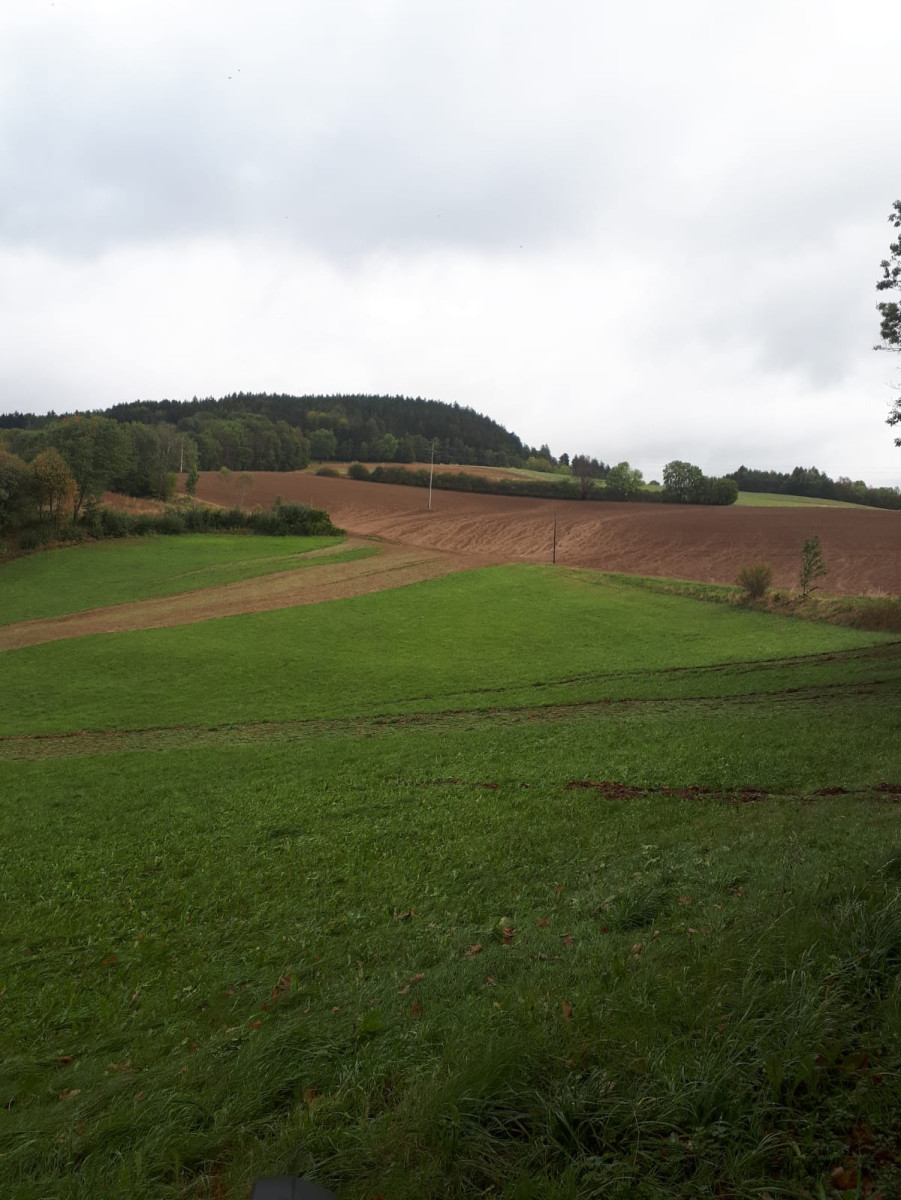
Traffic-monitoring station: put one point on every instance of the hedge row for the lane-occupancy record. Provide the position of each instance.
(715, 491)
(285, 520)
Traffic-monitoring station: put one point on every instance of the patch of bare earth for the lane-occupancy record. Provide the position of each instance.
(393, 566)
(861, 546)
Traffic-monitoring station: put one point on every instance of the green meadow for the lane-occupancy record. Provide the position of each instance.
(51, 583)
(517, 883)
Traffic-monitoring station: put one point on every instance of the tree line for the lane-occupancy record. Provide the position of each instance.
(809, 481)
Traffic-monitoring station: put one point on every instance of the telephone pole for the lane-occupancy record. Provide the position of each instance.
(431, 473)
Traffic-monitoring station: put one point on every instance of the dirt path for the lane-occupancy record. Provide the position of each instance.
(394, 566)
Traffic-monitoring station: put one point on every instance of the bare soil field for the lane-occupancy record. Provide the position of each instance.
(862, 547)
(395, 566)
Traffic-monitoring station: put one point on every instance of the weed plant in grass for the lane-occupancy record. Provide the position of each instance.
(505, 635)
(100, 573)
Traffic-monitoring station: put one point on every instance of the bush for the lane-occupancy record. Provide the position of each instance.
(357, 471)
(755, 580)
(329, 472)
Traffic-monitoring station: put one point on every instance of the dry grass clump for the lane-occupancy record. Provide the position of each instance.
(755, 580)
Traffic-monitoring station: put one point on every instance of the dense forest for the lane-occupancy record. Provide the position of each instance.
(247, 432)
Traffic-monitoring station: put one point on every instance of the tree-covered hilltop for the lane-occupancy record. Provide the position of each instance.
(260, 432)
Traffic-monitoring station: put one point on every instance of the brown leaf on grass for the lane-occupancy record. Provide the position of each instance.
(415, 1010)
(64, 1060)
(408, 983)
(472, 951)
(508, 933)
(311, 1094)
(637, 949)
(337, 1008)
(108, 962)
(404, 916)
(283, 985)
(68, 1093)
(136, 996)
(736, 891)
(843, 1178)
(692, 931)
(542, 921)
(567, 1010)
(684, 900)
(567, 940)
(255, 1024)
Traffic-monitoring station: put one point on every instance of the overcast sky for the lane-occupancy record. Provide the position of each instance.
(642, 229)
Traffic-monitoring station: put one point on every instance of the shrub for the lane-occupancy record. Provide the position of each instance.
(755, 580)
(358, 471)
(329, 472)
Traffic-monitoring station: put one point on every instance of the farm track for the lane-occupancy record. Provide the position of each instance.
(392, 567)
(861, 546)
(32, 747)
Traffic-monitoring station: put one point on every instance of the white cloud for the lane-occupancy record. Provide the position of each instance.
(646, 231)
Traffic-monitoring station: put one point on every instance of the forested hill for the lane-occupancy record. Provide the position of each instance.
(247, 431)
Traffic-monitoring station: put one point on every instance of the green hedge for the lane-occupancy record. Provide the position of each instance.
(714, 491)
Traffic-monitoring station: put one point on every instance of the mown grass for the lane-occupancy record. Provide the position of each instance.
(224, 960)
(504, 635)
(74, 578)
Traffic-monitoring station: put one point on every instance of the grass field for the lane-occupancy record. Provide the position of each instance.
(777, 500)
(54, 582)
(515, 883)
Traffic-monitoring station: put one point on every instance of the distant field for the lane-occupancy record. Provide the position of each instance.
(119, 571)
(777, 500)
(520, 883)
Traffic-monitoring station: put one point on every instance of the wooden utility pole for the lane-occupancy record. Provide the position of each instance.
(554, 556)
(431, 473)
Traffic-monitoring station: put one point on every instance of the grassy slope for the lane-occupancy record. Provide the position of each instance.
(777, 500)
(252, 958)
(533, 634)
(116, 572)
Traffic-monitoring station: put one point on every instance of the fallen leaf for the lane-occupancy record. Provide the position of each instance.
(65, 1059)
(255, 1024)
(134, 998)
(489, 981)
(684, 900)
(407, 983)
(404, 916)
(68, 1093)
(542, 921)
(311, 1094)
(567, 939)
(108, 962)
(415, 1009)
(337, 1008)
(567, 1010)
(843, 1178)
(472, 951)
(692, 931)
(637, 949)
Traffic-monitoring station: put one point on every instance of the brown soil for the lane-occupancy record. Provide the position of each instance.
(861, 546)
(394, 566)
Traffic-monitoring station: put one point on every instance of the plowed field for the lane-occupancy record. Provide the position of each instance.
(862, 547)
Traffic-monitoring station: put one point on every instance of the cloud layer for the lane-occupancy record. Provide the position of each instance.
(646, 231)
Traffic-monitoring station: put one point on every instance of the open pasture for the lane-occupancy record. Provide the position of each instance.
(516, 883)
(75, 578)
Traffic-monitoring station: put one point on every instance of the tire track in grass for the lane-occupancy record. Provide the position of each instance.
(86, 742)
